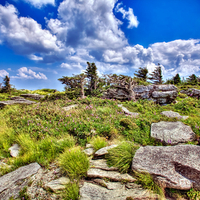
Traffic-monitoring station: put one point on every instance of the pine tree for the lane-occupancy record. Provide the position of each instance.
(142, 73)
(177, 79)
(192, 79)
(7, 87)
(91, 73)
(156, 75)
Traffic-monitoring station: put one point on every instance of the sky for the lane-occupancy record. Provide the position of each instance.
(44, 40)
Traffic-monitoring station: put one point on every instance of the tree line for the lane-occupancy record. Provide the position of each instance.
(89, 83)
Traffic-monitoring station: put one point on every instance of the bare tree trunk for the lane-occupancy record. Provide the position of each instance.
(82, 90)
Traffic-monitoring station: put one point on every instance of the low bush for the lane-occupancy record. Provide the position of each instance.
(122, 156)
(74, 162)
(98, 143)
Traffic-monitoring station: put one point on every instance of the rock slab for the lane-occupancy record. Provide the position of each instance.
(14, 150)
(171, 166)
(104, 151)
(13, 182)
(173, 114)
(101, 164)
(127, 111)
(172, 132)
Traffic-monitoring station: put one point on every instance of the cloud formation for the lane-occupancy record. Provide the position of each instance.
(40, 3)
(25, 73)
(3, 73)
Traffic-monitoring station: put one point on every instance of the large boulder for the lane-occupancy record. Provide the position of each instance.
(192, 92)
(161, 94)
(172, 132)
(13, 182)
(33, 96)
(171, 166)
(171, 114)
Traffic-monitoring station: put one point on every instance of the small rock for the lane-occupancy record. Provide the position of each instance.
(173, 114)
(104, 150)
(70, 107)
(14, 150)
(101, 164)
(58, 184)
(111, 175)
(89, 146)
(89, 151)
(127, 111)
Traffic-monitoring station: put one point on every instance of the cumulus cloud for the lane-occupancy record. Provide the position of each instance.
(25, 36)
(3, 73)
(40, 3)
(129, 15)
(71, 66)
(25, 73)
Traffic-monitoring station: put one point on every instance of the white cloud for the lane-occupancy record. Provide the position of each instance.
(71, 66)
(9, 69)
(40, 3)
(129, 15)
(23, 71)
(3, 73)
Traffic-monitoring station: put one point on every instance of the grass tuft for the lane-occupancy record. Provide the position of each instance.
(98, 142)
(71, 191)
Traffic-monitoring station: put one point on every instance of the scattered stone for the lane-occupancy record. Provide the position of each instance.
(127, 111)
(172, 132)
(33, 96)
(173, 114)
(104, 150)
(111, 175)
(89, 151)
(13, 182)
(70, 107)
(17, 98)
(171, 166)
(14, 150)
(91, 191)
(58, 184)
(191, 92)
(89, 146)
(109, 185)
(101, 164)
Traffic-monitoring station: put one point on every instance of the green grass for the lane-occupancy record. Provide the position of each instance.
(74, 162)
(71, 191)
(46, 132)
(122, 156)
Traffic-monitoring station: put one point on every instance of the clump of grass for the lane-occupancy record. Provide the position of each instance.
(146, 180)
(98, 143)
(122, 156)
(193, 194)
(71, 191)
(127, 123)
(74, 162)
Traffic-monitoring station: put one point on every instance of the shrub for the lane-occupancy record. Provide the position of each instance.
(146, 180)
(71, 191)
(74, 162)
(122, 156)
(98, 143)
(127, 123)
(193, 194)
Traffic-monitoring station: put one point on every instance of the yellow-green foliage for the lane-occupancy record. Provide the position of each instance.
(98, 142)
(146, 180)
(74, 162)
(122, 156)
(71, 191)
(193, 194)
(127, 123)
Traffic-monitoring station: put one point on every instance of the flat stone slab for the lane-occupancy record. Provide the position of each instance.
(14, 150)
(69, 107)
(127, 111)
(89, 151)
(171, 166)
(91, 191)
(33, 96)
(104, 151)
(11, 102)
(58, 184)
(172, 132)
(13, 182)
(101, 164)
(173, 114)
(111, 175)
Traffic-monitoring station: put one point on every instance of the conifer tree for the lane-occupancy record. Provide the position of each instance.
(91, 73)
(192, 79)
(177, 79)
(142, 73)
(156, 75)
(7, 87)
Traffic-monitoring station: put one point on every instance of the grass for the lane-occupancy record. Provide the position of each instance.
(71, 191)
(46, 132)
(122, 156)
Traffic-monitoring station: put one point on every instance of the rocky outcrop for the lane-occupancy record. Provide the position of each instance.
(33, 96)
(171, 166)
(172, 132)
(126, 111)
(161, 94)
(191, 92)
(13, 182)
(173, 114)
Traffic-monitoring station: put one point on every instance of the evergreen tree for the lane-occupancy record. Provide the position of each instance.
(192, 79)
(142, 73)
(7, 87)
(156, 75)
(91, 73)
(177, 79)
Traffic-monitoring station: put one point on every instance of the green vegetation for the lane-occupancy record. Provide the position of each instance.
(122, 156)
(98, 143)
(71, 191)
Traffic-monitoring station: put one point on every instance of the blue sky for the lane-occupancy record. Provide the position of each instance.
(43, 40)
